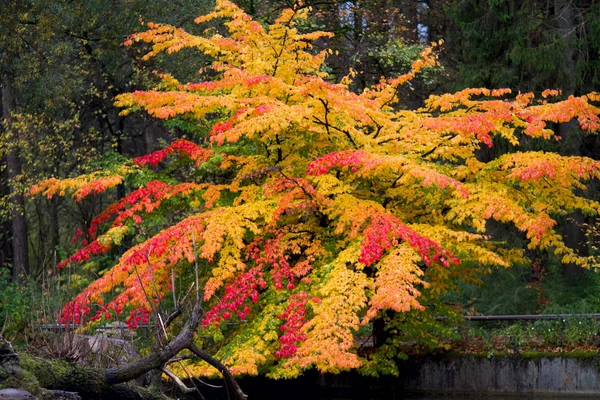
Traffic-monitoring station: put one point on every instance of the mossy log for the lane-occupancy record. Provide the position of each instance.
(41, 374)
(43, 377)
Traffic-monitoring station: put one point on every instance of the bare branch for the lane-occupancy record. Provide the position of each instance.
(180, 384)
(172, 317)
(159, 358)
(196, 268)
(227, 375)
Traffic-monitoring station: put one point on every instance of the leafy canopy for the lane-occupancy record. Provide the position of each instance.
(311, 210)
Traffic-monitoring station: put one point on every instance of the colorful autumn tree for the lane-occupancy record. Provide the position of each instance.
(309, 210)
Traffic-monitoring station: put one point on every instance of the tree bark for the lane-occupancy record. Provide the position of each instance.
(20, 259)
(573, 235)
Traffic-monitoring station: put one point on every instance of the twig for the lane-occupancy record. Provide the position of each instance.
(4, 325)
(434, 148)
(328, 125)
(198, 379)
(148, 299)
(180, 358)
(187, 294)
(196, 268)
(173, 287)
(227, 375)
(285, 35)
(172, 317)
(179, 383)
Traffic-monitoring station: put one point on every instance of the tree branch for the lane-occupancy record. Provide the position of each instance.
(158, 359)
(180, 384)
(227, 375)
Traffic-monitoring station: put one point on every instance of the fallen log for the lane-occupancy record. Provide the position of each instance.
(110, 383)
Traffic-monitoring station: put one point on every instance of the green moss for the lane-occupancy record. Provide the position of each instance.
(39, 376)
(13, 376)
(525, 355)
(578, 354)
(51, 372)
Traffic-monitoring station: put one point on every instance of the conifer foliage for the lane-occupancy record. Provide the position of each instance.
(331, 208)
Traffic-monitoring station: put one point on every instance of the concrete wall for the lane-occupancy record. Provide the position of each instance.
(504, 374)
(468, 377)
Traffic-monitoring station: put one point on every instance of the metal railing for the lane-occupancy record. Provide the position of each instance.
(527, 317)
(515, 317)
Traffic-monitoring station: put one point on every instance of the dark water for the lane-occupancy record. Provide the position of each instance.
(361, 395)
(310, 393)
(470, 396)
(485, 396)
(475, 396)
(373, 395)
(355, 387)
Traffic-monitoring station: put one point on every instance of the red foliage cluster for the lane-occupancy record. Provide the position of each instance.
(73, 313)
(93, 249)
(478, 125)
(537, 171)
(384, 231)
(152, 189)
(299, 199)
(279, 185)
(220, 127)
(236, 295)
(274, 257)
(295, 318)
(182, 147)
(138, 315)
(347, 158)
(145, 199)
(255, 80)
(243, 113)
(78, 234)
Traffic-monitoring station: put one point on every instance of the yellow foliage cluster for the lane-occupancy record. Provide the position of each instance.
(329, 334)
(83, 185)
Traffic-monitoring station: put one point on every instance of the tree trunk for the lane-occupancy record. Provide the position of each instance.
(573, 235)
(565, 25)
(20, 260)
